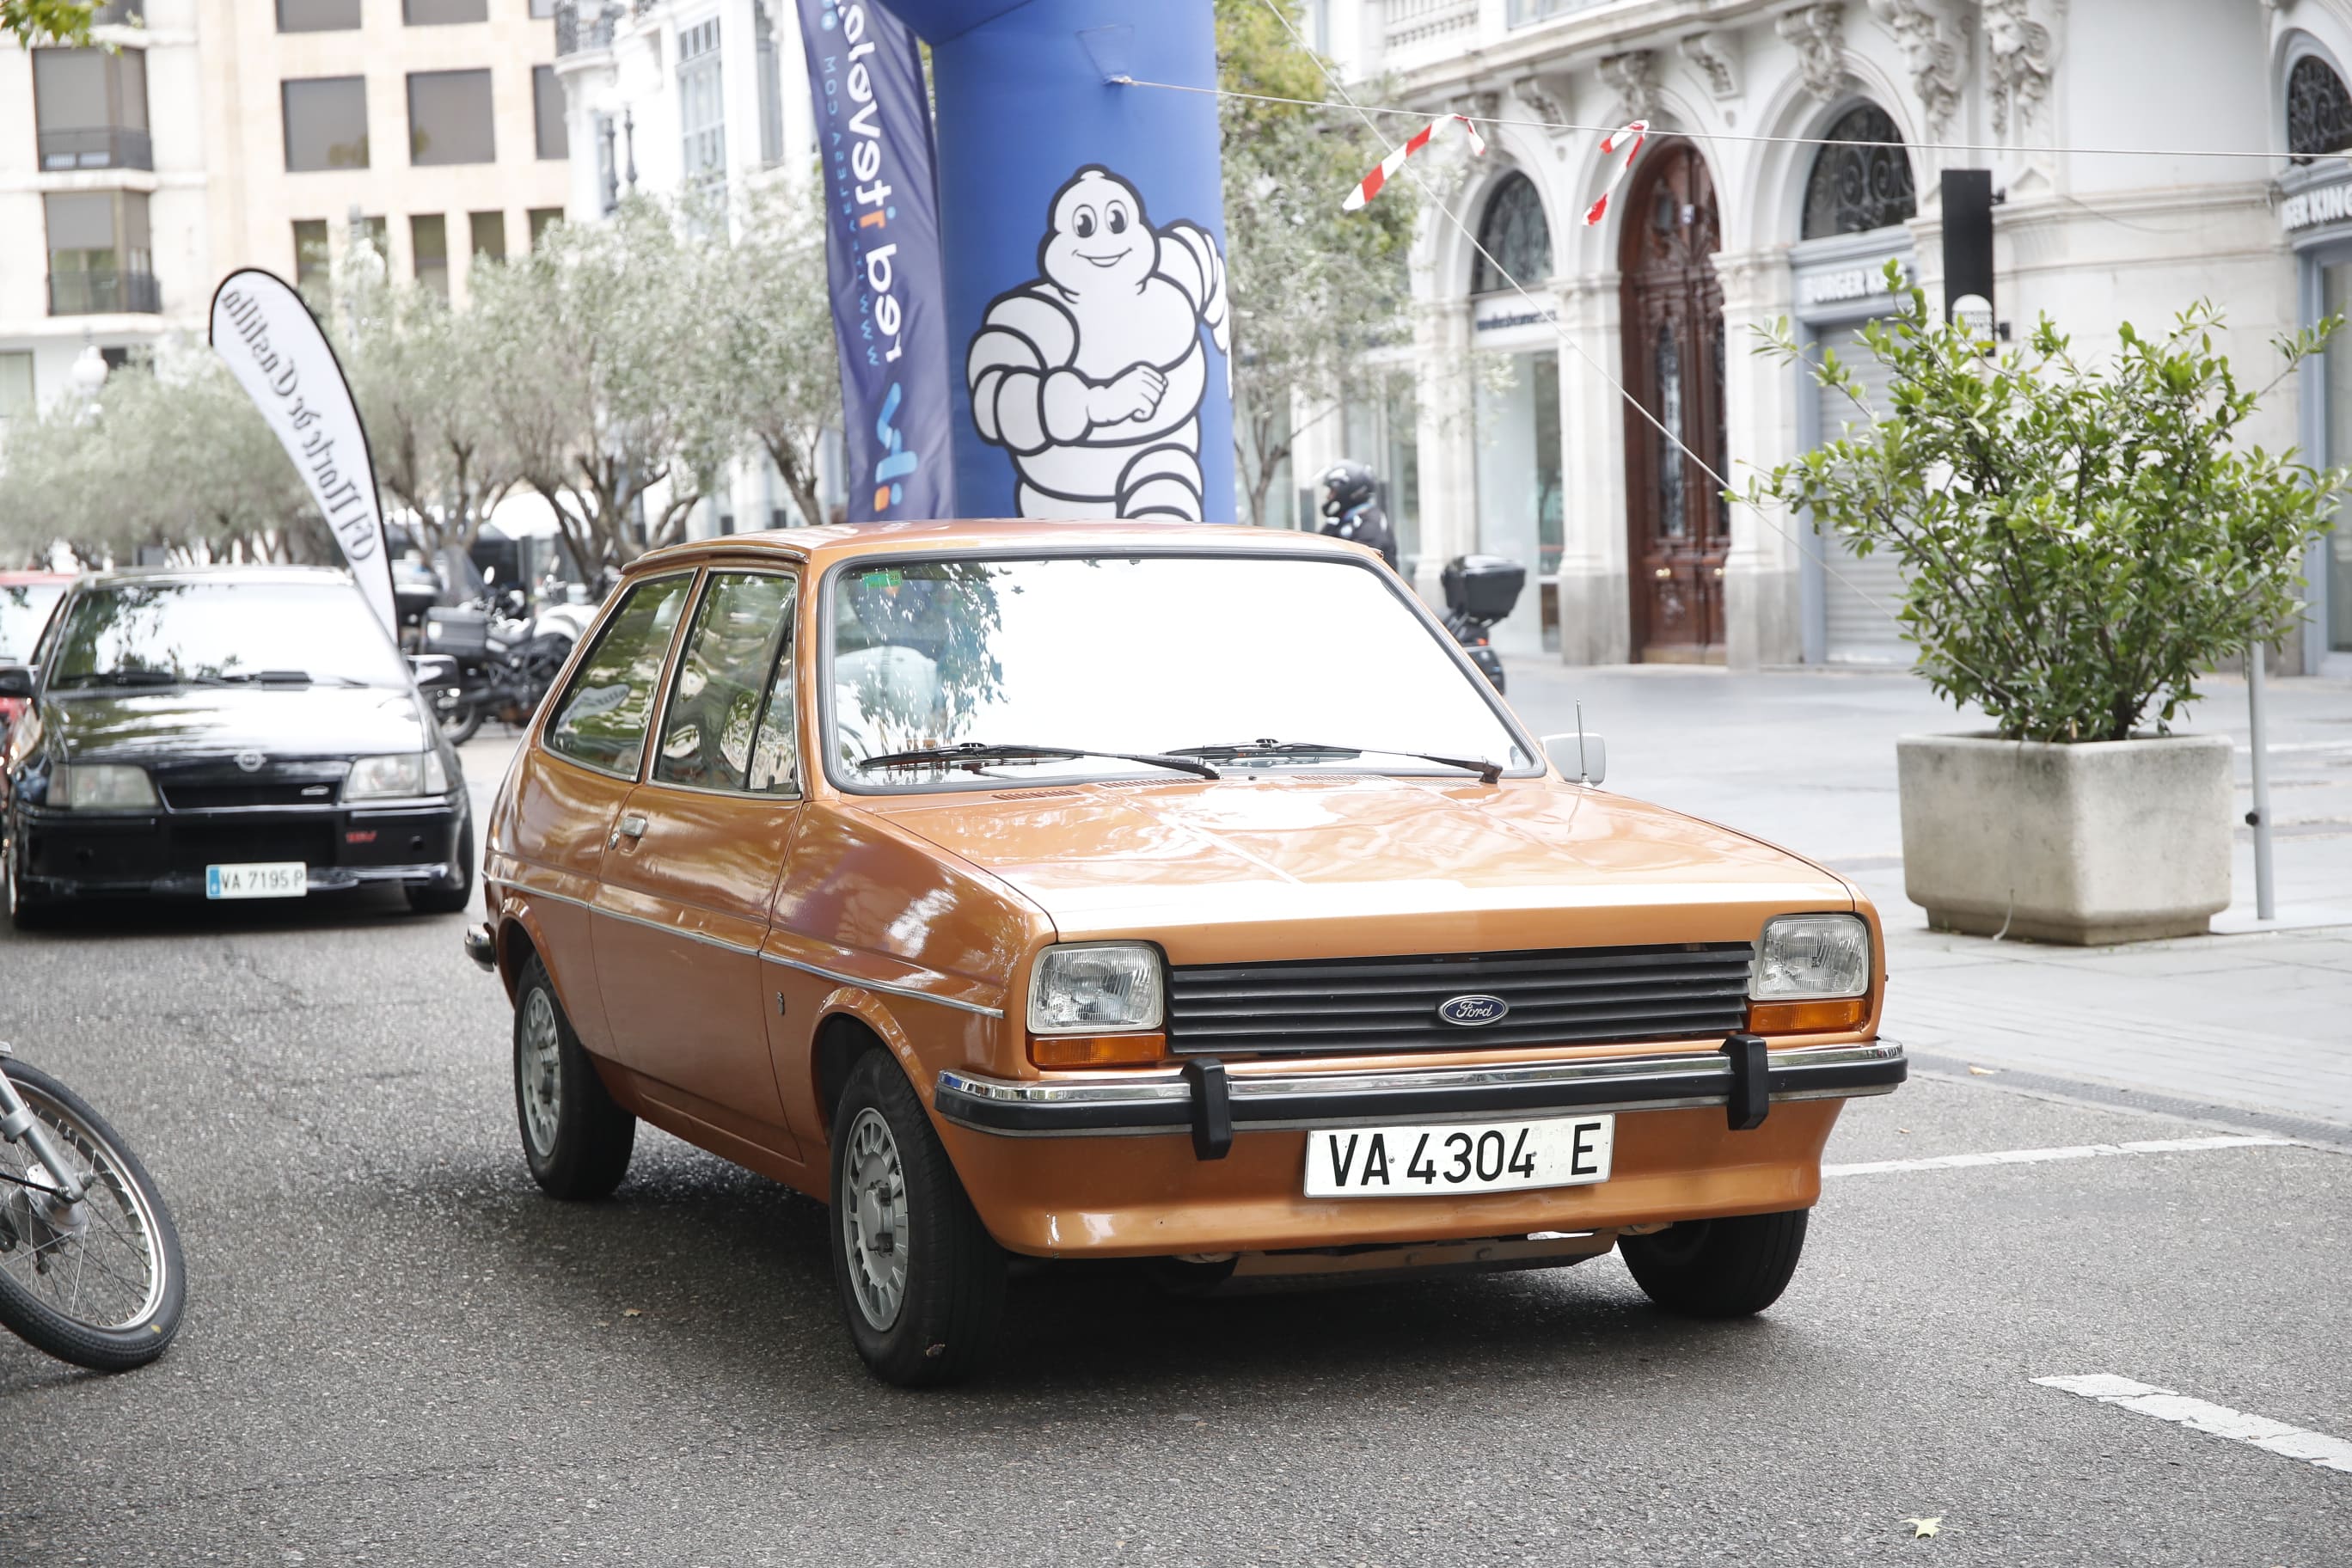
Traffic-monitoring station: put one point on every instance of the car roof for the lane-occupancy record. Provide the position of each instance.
(820, 547)
(30, 579)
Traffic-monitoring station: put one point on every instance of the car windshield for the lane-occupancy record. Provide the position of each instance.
(1142, 656)
(23, 610)
(166, 633)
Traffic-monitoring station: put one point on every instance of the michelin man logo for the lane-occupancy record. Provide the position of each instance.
(1091, 375)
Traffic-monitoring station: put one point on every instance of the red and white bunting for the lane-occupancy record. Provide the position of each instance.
(1371, 184)
(1628, 137)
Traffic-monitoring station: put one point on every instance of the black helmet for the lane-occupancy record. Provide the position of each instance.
(1345, 485)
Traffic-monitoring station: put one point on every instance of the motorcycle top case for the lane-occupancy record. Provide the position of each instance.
(1483, 587)
(461, 633)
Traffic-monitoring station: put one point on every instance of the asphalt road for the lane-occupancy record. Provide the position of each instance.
(398, 1351)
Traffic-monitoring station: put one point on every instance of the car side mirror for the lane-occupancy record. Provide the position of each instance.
(15, 680)
(1581, 755)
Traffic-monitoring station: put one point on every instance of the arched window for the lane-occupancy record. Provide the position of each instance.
(1859, 187)
(2318, 110)
(1513, 231)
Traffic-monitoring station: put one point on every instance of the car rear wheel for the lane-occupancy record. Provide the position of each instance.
(447, 898)
(575, 1139)
(1717, 1267)
(921, 1280)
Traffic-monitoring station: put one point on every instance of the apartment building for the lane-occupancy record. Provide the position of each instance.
(202, 135)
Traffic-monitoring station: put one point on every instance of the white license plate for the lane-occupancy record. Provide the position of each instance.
(257, 879)
(1464, 1157)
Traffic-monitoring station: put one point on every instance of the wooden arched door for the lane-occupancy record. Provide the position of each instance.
(1678, 525)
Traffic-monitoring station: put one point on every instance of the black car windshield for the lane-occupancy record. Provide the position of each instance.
(221, 629)
(23, 610)
(1147, 655)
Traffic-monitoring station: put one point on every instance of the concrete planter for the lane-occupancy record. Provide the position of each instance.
(2111, 841)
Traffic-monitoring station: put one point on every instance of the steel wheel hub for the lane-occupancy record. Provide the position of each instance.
(873, 1218)
(539, 1072)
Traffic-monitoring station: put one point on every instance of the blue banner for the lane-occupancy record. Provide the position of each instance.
(882, 252)
(1085, 221)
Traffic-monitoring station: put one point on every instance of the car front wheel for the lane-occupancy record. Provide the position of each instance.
(1717, 1267)
(921, 1281)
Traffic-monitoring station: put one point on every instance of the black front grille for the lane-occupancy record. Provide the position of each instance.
(1565, 996)
(281, 792)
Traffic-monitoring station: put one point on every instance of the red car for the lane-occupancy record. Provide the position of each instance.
(25, 599)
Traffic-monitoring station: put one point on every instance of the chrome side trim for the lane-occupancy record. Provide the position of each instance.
(884, 986)
(721, 943)
(1161, 1101)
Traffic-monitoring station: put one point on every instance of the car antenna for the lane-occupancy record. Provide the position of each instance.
(1583, 768)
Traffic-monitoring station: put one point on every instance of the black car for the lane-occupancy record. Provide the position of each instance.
(224, 733)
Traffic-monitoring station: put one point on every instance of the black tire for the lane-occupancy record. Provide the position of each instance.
(945, 1324)
(1717, 1267)
(117, 1346)
(575, 1139)
(460, 720)
(447, 898)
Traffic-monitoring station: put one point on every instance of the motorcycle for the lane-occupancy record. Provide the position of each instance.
(492, 658)
(1479, 591)
(90, 1269)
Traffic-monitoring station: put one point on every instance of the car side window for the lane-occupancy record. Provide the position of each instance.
(603, 716)
(721, 686)
(776, 755)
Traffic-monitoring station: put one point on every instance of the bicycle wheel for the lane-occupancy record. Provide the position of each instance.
(101, 1286)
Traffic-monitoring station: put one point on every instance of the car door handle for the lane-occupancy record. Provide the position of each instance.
(631, 826)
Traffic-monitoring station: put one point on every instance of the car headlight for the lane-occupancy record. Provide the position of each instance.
(1805, 957)
(1087, 987)
(407, 773)
(101, 787)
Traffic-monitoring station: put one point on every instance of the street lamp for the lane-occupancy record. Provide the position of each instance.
(87, 376)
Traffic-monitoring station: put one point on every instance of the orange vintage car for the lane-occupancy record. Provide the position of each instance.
(1104, 889)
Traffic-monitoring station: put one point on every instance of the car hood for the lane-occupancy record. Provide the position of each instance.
(304, 722)
(1306, 867)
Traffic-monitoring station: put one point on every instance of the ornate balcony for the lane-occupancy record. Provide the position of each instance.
(104, 293)
(96, 147)
(584, 26)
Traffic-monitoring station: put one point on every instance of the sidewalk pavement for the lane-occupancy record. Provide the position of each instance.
(2257, 1018)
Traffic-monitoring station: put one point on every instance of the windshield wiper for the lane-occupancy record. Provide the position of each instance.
(120, 677)
(1300, 750)
(975, 754)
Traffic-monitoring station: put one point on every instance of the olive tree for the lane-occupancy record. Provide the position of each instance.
(604, 374)
(2078, 541)
(1314, 287)
(779, 344)
(421, 374)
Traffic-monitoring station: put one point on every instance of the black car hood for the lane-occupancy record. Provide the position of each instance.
(214, 721)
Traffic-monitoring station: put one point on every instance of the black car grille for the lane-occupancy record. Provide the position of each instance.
(212, 796)
(1564, 996)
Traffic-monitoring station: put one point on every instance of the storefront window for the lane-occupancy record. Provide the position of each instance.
(2318, 110)
(1513, 233)
(1862, 180)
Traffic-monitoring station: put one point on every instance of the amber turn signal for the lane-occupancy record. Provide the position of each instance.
(1096, 1050)
(1801, 1017)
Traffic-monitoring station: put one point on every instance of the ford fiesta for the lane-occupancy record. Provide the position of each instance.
(1128, 890)
(224, 733)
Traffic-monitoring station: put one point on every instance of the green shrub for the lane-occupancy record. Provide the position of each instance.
(2078, 543)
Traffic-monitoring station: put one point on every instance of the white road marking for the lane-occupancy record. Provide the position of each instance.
(2260, 1431)
(2071, 1151)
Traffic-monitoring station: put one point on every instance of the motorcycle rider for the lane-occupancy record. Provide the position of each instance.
(1351, 509)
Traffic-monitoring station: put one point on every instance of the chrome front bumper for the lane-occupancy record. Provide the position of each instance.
(1213, 1103)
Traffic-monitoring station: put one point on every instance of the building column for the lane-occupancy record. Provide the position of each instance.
(1595, 617)
(1447, 422)
(1763, 571)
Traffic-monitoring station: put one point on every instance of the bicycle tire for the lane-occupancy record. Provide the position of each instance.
(101, 1347)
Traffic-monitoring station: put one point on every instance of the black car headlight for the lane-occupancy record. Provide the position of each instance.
(100, 786)
(396, 776)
